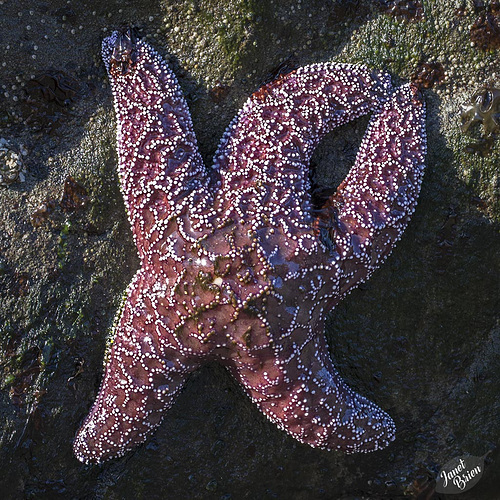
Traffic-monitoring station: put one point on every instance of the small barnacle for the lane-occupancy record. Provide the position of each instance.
(12, 168)
(461, 10)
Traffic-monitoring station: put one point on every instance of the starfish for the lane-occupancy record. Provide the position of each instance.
(236, 264)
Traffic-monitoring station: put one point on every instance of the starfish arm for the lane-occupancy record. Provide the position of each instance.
(297, 387)
(263, 157)
(145, 372)
(372, 207)
(160, 168)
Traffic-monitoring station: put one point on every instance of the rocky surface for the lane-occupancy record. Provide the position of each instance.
(421, 338)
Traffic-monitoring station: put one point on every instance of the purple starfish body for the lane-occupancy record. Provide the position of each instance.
(235, 263)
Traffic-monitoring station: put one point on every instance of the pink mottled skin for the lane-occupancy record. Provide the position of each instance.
(235, 266)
